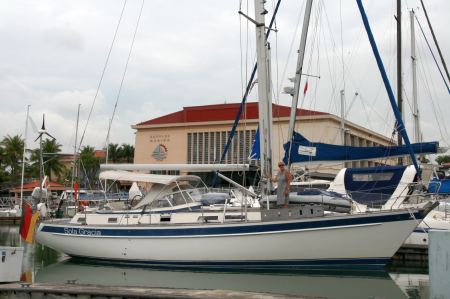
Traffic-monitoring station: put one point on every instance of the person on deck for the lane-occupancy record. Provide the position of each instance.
(283, 178)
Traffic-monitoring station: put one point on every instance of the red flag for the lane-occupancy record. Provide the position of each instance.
(306, 88)
(75, 189)
(27, 213)
(28, 222)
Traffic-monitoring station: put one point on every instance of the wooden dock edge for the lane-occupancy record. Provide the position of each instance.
(44, 290)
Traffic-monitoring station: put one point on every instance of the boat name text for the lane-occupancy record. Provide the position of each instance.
(82, 231)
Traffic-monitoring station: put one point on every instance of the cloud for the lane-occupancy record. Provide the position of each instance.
(189, 53)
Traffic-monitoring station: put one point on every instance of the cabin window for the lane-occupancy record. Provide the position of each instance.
(81, 219)
(371, 177)
(208, 218)
(164, 218)
(235, 217)
(112, 220)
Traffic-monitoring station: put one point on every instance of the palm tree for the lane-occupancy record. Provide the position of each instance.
(113, 152)
(127, 153)
(90, 165)
(12, 154)
(52, 165)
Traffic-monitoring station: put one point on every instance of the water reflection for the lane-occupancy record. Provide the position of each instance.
(323, 284)
(46, 265)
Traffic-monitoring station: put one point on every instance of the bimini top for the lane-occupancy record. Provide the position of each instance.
(120, 175)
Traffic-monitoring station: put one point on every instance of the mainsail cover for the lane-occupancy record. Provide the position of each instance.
(304, 150)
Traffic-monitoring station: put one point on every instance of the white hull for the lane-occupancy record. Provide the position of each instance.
(369, 239)
(10, 263)
(435, 220)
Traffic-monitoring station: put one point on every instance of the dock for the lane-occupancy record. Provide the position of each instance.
(73, 290)
(9, 220)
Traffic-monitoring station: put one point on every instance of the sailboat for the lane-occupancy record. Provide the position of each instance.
(297, 237)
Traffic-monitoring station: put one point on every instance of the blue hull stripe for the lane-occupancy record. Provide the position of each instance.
(211, 229)
(363, 263)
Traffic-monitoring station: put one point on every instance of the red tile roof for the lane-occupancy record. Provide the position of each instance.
(35, 183)
(222, 112)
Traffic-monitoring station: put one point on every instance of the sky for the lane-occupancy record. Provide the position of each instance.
(199, 52)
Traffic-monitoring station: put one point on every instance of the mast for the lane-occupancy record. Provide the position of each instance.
(414, 80)
(400, 125)
(399, 71)
(435, 41)
(264, 95)
(75, 152)
(298, 75)
(23, 159)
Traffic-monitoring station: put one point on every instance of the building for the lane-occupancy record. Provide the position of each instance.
(198, 134)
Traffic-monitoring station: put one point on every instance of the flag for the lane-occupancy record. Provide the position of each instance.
(28, 222)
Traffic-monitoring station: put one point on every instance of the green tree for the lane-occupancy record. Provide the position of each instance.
(89, 166)
(12, 151)
(52, 165)
(442, 159)
(127, 153)
(113, 152)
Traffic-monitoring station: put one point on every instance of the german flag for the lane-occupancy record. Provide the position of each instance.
(28, 222)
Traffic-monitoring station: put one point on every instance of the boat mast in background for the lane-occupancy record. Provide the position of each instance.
(399, 73)
(264, 95)
(417, 137)
(298, 76)
(400, 125)
(23, 160)
(75, 150)
(435, 41)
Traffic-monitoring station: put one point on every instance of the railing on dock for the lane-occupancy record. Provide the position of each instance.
(7, 202)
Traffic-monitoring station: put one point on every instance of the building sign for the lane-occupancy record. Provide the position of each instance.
(160, 152)
(158, 138)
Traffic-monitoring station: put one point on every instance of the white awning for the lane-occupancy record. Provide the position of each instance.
(119, 175)
(180, 167)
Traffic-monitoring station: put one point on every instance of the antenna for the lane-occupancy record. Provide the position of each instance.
(42, 132)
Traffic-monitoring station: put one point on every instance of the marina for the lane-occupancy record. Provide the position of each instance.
(280, 195)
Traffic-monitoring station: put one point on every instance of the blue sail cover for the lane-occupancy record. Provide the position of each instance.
(255, 153)
(305, 151)
(372, 185)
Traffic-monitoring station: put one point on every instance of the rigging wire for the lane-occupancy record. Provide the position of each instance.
(432, 54)
(123, 76)
(102, 75)
(425, 79)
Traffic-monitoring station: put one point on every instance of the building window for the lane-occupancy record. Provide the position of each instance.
(194, 149)
(241, 146)
(235, 147)
(223, 144)
(211, 147)
(189, 148)
(200, 148)
(229, 149)
(206, 148)
(218, 147)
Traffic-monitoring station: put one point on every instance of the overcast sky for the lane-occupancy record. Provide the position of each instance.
(199, 52)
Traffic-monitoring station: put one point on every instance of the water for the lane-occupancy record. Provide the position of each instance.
(42, 264)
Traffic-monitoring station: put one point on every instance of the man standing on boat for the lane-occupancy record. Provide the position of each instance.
(283, 180)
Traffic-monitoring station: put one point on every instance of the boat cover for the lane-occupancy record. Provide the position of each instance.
(118, 175)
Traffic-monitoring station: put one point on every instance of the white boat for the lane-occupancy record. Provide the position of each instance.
(236, 237)
(10, 263)
(387, 188)
(365, 240)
